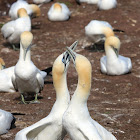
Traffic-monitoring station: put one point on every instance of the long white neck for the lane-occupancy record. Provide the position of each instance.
(21, 55)
(110, 54)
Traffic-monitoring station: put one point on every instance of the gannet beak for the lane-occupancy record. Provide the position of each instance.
(116, 51)
(72, 54)
(26, 50)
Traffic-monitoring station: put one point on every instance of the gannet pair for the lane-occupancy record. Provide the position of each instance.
(96, 30)
(76, 119)
(113, 63)
(2, 64)
(51, 127)
(32, 9)
(12, 30)
(27, 78)
(6, 121)
(107, 4)
(58, 12)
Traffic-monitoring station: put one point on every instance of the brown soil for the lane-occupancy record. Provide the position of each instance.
(114, 100)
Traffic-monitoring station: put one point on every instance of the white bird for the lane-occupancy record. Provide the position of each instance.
(76, 119)
(58, 12)
(51, 127)
(6, 80)
(12, 30)
(41, 1)
(6, 121)
(113, 63)
(96, 30)
(27, 77)
(2, 64)
(106, 4)
(32, 9)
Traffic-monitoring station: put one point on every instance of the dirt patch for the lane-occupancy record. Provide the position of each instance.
(114, 100)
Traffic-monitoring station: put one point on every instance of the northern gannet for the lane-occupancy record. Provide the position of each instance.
(41, 1)
(96, 30)
(76, 119)
(58, 12)
(51, 127)
(2, 64)
(12, 30)
(32, 9)
(106, 4)
(113, 63)
(6, 121)
(27, 77)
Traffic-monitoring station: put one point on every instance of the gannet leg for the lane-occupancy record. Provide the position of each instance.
(14, 48)
(22, 99)
(35, 100)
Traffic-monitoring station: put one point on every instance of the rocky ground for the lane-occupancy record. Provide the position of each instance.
(114, 100)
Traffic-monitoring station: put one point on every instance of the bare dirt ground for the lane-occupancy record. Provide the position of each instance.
(114, 100)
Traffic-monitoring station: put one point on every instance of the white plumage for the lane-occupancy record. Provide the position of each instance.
(96, 30)
(107, 4)
(6, 119)
(113, 63)
(12, 30)
(89, 1)
(51, 126)
(41, 1)
(58, 12)
(76, 119)
(31, 9)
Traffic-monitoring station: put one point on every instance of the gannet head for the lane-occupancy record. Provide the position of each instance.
(26, 41)
(36, 11)
(57, 7)
(22, 13)
(107, 31)
(83, 68)
(114, 43)
(2, 64)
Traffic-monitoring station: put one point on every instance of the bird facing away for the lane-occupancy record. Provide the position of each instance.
(32, 9)
(76, 119)
(58, 12)
(96, 30)
(107, 4)
(13, 29)
(113, 63)
(2, 64)
(6, 121)
(51, 126)
(27, 77)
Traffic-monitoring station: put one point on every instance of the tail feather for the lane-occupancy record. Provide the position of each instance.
(48, 70)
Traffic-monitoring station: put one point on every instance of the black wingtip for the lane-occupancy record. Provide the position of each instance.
(78, 2)
(13, 123)
(118, 30)
(48, 70)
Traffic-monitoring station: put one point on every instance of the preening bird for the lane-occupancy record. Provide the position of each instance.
(32, 9)
(107, 4)
(58, 12)
(27, 77)
(6, 121)
(13, 29)
(113, 63)
(97, 30)
(2, 64)
(51, 126)
(76, 119)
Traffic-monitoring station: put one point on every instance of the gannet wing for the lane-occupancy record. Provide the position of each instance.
(103, 64)
(7, 31)
(40, 81)
(14, 82)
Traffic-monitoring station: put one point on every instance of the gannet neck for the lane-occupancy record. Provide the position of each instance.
(2, 63)
(59, 78)
(36, 10)
(112, 46)
(108, 32)
(22, 13)
(25, 44)
(83, 68)
(57, 7)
